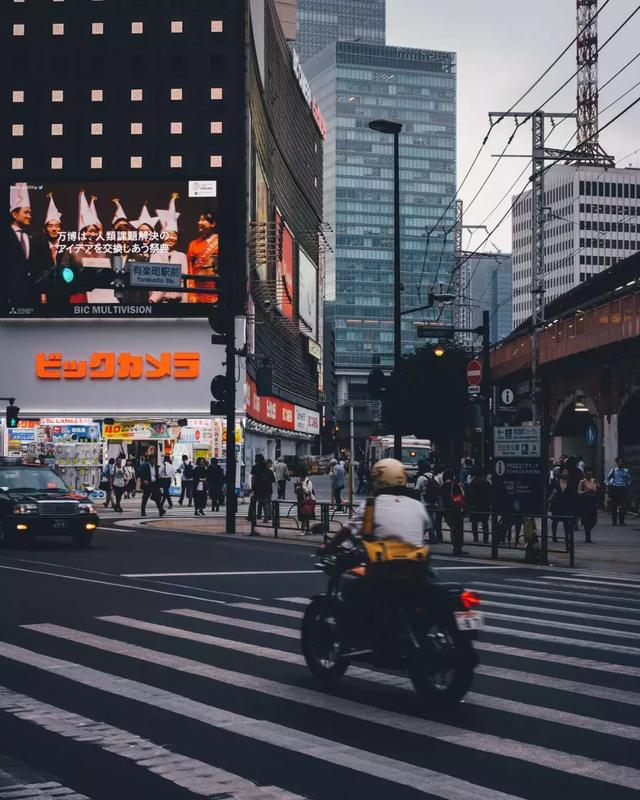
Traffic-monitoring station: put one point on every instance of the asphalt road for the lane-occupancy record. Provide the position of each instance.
(160, 665)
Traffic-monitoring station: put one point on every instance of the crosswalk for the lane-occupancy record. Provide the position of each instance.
(191, 700)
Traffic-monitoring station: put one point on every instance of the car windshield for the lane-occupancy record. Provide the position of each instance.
(413, 455)
(31, 479)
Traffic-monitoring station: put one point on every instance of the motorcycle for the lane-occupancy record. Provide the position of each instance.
(386, 607)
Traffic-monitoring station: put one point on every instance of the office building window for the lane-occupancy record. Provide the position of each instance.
(96, 162)
(97, 28)
(216, 93)
(216, 26)
(176, 94)
(137, 27)
(57, 129)
(176, 26)
(136, 95)
(56, 162)
(96, 129)
(17, 129)
(18, 29)
(216, 127)
(57, 29)
(97, 95)
(57, 95)
(17, 96)
(135, 162)
(136, 128)
(176, 127)
(175, 161)
(17, 162)
(215, 161)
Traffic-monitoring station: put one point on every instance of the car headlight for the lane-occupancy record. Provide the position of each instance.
(25, 508)
(86, 508)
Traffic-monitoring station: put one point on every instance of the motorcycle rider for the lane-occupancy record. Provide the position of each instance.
(398, 514)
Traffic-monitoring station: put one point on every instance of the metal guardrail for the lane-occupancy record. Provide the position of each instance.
(504, 530)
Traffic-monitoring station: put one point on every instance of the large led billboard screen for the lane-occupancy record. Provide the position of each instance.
(308, 297)
(106, 249)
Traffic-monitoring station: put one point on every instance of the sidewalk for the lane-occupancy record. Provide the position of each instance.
(615, 549)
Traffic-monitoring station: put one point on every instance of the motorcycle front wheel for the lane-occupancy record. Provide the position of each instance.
(442, 672)
(320, 640)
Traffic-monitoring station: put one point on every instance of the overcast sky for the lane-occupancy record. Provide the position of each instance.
(503, 46)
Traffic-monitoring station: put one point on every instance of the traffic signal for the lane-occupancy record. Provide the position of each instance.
(378, 384)
(221, 391)
(218, 322)
(13, 416)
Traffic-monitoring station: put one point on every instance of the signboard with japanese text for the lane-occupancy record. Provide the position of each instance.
(521, 480)
(135, 431)
(517, 441)
(91, 369)
(155, 275)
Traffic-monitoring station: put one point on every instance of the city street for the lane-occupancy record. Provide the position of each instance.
(165, 665)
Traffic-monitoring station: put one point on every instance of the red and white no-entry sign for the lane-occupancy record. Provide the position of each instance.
(474, 372)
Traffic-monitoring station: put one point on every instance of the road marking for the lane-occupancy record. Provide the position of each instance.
(613, 584)
(301, 601)
(248, 624)
(282, 612)
(574, 591)
(460, 736)
(403, 773)
(558, 612)
(568, 626)
(564, 640)
(589, 690)
(39, 791)
(110, 583)
(544, 598)
(196, 776)
(216, 574)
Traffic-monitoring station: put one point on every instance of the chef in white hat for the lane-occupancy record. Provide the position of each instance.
(169, 222)
(45, 255)
(21, 287)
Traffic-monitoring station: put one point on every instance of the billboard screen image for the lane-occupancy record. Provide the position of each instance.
(308, 283)
(105, 249)
(285, 249)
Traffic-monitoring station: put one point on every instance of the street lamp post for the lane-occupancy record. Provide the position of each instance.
(393, 128)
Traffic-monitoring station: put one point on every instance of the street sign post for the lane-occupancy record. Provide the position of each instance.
(155, 275)
(473, 391)
(507, 397)
(474, 372)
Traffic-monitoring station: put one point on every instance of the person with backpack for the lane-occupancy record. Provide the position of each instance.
(186, 468)
(453, 499)
(479, 500)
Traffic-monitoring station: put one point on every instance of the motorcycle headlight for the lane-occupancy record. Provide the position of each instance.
(25, 508)
(86, 508)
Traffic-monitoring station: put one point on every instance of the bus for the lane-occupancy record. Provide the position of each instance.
(413, 452)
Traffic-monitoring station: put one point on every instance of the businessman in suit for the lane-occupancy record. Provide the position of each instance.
(22, 291)
(150, 482)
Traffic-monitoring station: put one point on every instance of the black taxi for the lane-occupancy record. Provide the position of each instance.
(35, 501)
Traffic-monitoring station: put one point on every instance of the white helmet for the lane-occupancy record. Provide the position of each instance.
(388, 472)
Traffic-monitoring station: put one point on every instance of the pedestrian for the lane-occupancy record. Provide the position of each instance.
(453, 506)
(260, 488)
(281, 472)
(107, 482)
(306, 502)
(150, 485)
(618, 482)
(429, 490)
(588, 498)
(338, 476)
(118, 482)
(167, 477)
(215, 483)
(199, 487)
(186, 468)
(364, 475)
(130, 480)
(479, 501)
(270, 478)
(467, 471)
(563, 504)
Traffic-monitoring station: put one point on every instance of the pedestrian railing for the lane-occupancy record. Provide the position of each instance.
(283, 515)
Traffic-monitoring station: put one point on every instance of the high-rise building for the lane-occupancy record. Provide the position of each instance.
(489, 288)
(355, 83)
(593, 221)
(323, 22)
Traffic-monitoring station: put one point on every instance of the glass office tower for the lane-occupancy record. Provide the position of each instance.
(322, 22)
(355, 83)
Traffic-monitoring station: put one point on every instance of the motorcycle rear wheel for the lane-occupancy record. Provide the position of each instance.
(446, 683)
(321, 645)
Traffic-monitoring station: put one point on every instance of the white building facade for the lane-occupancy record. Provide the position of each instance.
(592, 222)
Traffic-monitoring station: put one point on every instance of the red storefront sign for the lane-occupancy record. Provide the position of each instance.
(270, 410)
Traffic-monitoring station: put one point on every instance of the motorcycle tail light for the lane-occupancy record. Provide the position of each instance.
(470, 599)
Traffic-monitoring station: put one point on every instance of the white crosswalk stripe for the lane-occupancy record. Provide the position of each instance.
(564, 702)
